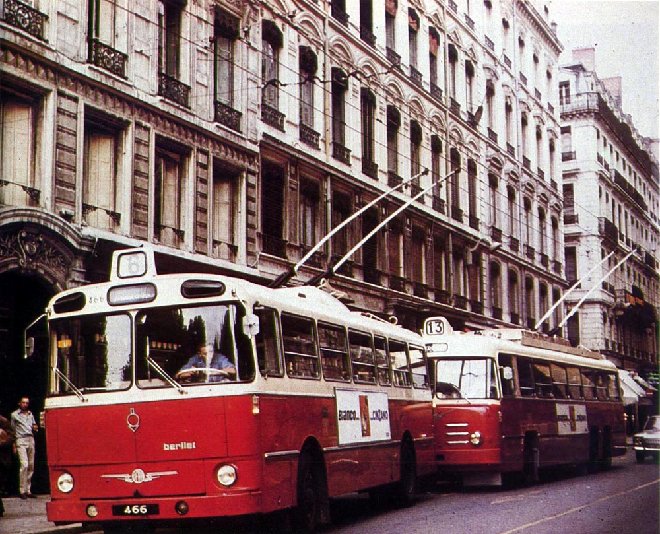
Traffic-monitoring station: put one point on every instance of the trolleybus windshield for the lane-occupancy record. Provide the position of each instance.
(94, 352)
(472, 378)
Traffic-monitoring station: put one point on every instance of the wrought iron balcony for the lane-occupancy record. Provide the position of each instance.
(436, 91)
(439, 204)
(514, 244)
(454, 106)
(442, 296)
(507, 61)
(537, 93)
(523, 78)
(172, 89)
(489, 43)
(420, 290)
(650, 260)
(469, 21)
(540, 172)
(473, 221)
(460, 302)
(370, 168)
(339, 14)
(309, 136)
(228, 116)
(272, 117)
(571, 218)
(457, 213)
(275, 245)
(531, 322)
(629, 189)
(556, 266)
(511, 150)
(497, 312)
(553, 184)
(477, 306)
(568, 156)
(496, 234)
(544, 260)
(367, 36)
(25, 17)
(608, 229)
(530, 252)
(341, 153)
(551, 108)
(371, 275)
(393, 56)
(526, 163)
(393, 179)
(415, 76)
(515, 318)
(452, 5)
(492, 135)
(416, 189)
(106, 57)
(398, 283)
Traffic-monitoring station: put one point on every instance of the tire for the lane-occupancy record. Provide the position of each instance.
(606, 461)
(407, 485)
(594, 446)
(309, 512)
(640, 456)
(532, 462)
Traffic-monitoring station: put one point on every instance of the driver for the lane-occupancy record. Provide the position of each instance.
(207, 366)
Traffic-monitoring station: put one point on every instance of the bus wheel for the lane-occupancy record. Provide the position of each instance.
(594, 446)
(312, 508)
(407, 485)
(606, 462)
(531, 460)
(640, 457)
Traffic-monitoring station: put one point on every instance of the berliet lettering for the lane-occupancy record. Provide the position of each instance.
(138, 476)
(183, 445)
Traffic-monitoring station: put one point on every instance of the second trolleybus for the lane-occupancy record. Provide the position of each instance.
(316, 401)
(512, 401)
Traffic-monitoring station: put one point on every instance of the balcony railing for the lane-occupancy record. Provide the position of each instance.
(515, 318)
(439, 204)
(629, 188)
(489, 43)
(540, 172)
(398, 283)
(537, 93)
(367, 36)
(415, 76)
(531, 322)
(556, 266)
(393, 56)
(551, 108)
(514, 244)
(393, 179)
(339, 14)
(174, 90)
(416, 189)
(507, 61)
(442, 296)
(274, 245)
(568, 156)
(228, 116)
(341, 153)
(309, 136)
(492, 135)
(544, 260)
(469, 21)
(436, 91)
(454, 106)
(370, 168)
(581, 102)
(25, 17)
(460, 302)
(273, 117)
(497, 312)
(473, 221)
(571, 218)
(650, 260)
(526, 163)
(530, 252)
(477, 307)
(553, 184)
(523, 78)
(511, 150)
(496, 234)
(457, 213)
(108, 58)
(608, 229)
(452, 5)
(420, 290)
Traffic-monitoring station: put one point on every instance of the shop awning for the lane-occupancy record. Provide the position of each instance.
(632, 391)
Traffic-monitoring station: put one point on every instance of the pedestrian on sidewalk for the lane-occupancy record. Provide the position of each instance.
(6, 443)
(24, 426)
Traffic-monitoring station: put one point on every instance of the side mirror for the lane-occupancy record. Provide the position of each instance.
(29, 347)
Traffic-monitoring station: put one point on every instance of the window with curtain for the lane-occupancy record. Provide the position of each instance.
(415, 149)
(169, 42)
(99, 176)
(168, 205)
(308, 66)
(224, 207)
(17, 136)
(368, 116)
(338, 98)
(453, 63)
(514, 296)
(393, 124)
(434, 44)
(418, 255)
(341, 210)
(309, 214)
(413, 30)
(395, 247)
(225, 37)
(271, 43)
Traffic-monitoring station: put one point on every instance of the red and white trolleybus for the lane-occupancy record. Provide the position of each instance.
(313, 400)
(513, 401)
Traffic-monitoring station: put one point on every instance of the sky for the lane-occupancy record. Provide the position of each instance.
(625, 36)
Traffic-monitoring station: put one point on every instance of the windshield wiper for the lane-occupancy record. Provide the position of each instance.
(165, 376)
(71, 385)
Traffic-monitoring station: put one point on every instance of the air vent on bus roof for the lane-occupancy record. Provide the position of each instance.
(69, 303)
(192, 289)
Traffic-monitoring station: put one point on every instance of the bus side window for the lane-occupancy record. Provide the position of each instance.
(613, 386)
(380, 350)
(507, 375)
(418, 367)
(302, 360)
(244, 357)
(559, 381)
(362, 357)
(543, 380)
(267, 343)
(526, 377)
(400, 366)
(588, 384)
(334, 359)
(574, 383)
(601, 385)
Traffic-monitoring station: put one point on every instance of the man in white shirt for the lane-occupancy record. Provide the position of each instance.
(24, 427)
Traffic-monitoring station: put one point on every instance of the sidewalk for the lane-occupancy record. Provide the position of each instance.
(29, 517)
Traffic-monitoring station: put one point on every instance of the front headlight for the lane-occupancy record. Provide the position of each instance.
(475, 438)
(226, 475)
(637, 440)
(65, 482)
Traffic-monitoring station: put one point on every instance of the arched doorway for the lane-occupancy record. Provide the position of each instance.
(23, 297)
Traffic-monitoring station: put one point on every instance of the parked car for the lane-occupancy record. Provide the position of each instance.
(648, 440)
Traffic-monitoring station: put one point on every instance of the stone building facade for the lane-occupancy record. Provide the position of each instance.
(232, 135)
(611, 208)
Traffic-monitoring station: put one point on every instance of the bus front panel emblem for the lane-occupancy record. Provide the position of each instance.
(133, 420)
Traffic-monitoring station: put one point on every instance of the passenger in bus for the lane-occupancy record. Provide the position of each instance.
(207, 366)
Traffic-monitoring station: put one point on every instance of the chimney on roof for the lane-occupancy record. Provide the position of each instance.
(586, 56)
(613, 86)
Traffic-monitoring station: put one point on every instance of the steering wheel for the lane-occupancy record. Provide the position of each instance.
(199, 374)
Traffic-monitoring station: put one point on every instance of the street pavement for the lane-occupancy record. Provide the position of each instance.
(29, 517)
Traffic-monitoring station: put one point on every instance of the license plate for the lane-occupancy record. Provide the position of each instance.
(135, 509)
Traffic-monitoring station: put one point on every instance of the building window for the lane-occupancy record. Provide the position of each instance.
(17, 150)
(453, 61)
(395, 248)
(224, 203)
(564, 93)
(393, 124)
(271, 43)
(338, 97)
(569, 199)
(469, 85)
(390, 26)
(100, 176)
(367, 19)
(473, 194)
(490, 99)
(226, 34)
(529, 228)
(530, 304)
(543, 299)
(341, 210)
(494, 199)
(512, 214)
(514, 297)
(169, 198)
(542, 248)
(508, 117)
(555, 238)
(413, 30)
(566, 139)
(309, 214)
(496, 289)
(539, 147)
(368, 115)
(272, 209)
(523, 133)
(434, 44)
(440, 271)
(169, 42)
(551, 156)
(418, 255)
(455, 182)
(415, 149)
